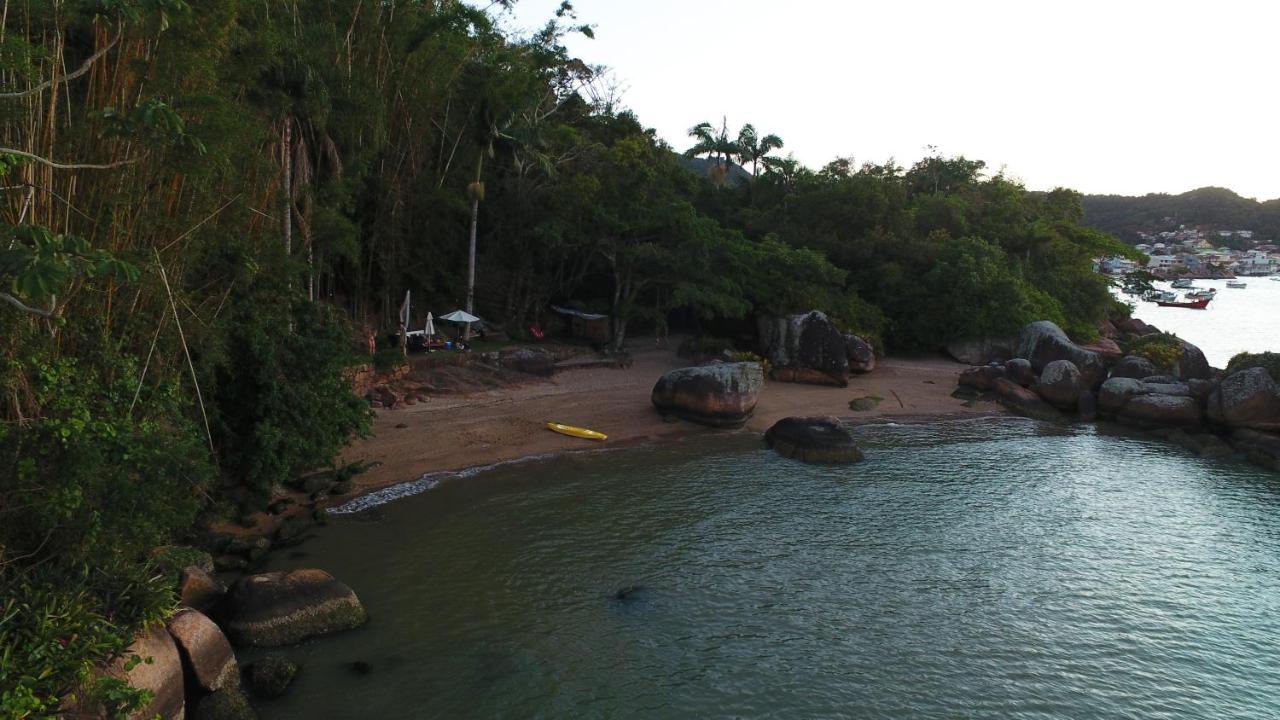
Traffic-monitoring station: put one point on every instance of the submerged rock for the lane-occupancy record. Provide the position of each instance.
(722, 395)
(228, 703)
(281, 608)
(270, 675)
(821, 440)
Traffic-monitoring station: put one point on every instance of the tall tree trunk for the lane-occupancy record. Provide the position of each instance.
(477, 194)
(286, 222)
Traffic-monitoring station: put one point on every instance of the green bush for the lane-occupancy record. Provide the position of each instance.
(281, 404)
(1267, 360)
(1162, 349)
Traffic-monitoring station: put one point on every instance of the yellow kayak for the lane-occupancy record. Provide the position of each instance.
(576, 431)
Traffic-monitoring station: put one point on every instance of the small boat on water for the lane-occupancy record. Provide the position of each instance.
(1237, 284)
(1182, 284)
(1157, 296)
(576, 431)
(1210, 293)
(1198, 304)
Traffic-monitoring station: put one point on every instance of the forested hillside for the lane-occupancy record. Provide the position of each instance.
(1213, 207)
(207, 205)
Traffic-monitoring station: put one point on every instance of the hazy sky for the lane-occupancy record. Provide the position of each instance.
(1122, 96)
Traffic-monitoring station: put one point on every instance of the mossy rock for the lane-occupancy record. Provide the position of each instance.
(865, 403)
(282, 608)
(269, 676)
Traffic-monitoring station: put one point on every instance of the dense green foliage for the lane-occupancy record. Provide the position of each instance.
(1218, 208)
(1269, 361)
(206, 206)
(1162, 349)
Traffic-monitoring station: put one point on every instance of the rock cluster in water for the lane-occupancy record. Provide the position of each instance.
(189, 665)
(1050, 377)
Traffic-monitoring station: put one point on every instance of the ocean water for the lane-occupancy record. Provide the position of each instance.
(1236, 321)
(994, 568)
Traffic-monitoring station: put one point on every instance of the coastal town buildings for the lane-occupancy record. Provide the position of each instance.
(1192, 251)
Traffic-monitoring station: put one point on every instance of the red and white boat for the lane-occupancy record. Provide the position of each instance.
(1196, 304)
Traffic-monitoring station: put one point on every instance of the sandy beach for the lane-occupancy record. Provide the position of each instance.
(451, 432)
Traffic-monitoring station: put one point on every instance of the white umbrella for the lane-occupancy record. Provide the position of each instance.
(430, 329)
(460, 316)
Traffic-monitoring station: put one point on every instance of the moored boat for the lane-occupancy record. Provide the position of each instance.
(1182, 284)
(1198, 304)
(1203, 293)
(1159, 296)
(1237, 284)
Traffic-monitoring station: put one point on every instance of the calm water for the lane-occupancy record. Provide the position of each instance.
(978, 569)
(1236, 321)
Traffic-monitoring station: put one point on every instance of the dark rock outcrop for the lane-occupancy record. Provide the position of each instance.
(1150, 404)
(269, 676)
(1024, 401)
(1043, 342)
(1019, 370)
(1247, 399)
(228, 703)
(983, 377)
(860, 354)
(205, 651)
(532, 361)
(1087, 406)
(1060, 384)
(1192, 364)
(1106, 348)
(821, 440)
(1133, 366)
(281, 608)
(806, 348)
(721, 395)
(981, 351)
(1262, 449)
(1134, 327)
(198, 589)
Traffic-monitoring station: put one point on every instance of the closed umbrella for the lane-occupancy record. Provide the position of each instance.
(430, 329)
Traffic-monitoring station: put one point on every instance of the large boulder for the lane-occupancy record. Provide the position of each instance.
(806, 348)
(1023, 401)
(1020, 371)
(1192, 364)
(1060, 384)
(160, 673)
(1247, 399)
(821, 440)
(1042, 342)
(860, 354)
(721, 395)
(1161, 410)
(1106, 348)
(1133, 366)
(1133, 327)
(199, 589)
(981, 351)
(1150, 404)
(270, 675)
(282, 608)
(982, 378)
(204, 649)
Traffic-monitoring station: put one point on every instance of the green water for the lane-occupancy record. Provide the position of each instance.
(979, 569)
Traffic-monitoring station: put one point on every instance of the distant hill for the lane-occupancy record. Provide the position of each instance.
(702, 166)
(1212, 207)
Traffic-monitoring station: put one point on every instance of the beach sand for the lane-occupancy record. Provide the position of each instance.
(451, 432)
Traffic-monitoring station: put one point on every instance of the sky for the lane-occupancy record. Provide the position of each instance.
(1124, 96)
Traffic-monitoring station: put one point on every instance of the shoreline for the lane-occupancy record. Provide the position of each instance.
(464, 435)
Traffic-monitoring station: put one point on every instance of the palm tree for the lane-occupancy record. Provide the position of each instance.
(713, 143)
(752, 148)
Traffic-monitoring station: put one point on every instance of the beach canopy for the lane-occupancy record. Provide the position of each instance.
(460, 316)
(430, 329)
